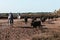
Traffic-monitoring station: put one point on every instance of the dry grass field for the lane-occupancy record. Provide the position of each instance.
(22, 31)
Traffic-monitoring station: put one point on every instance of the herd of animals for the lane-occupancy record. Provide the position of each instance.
(35, 23)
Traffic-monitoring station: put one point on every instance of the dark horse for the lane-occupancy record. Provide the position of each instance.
(36, 23)
(26, 19)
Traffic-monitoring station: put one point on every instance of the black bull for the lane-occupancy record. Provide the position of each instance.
(36, 23)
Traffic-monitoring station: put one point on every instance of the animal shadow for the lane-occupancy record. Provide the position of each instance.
(51, 23)
(44, 29)
(26, 27)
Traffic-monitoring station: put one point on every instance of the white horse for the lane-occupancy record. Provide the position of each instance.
(9, 18)
(19, 16)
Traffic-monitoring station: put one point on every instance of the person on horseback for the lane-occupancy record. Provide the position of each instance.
(10, 19)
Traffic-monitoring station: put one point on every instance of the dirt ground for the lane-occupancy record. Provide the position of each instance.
(22, 31)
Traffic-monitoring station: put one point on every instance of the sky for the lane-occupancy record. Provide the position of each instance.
(15, 6)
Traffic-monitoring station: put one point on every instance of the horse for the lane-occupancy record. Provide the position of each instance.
(36, 23)
(19, 16)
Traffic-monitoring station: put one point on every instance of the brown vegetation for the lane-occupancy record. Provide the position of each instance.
(22, 31)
